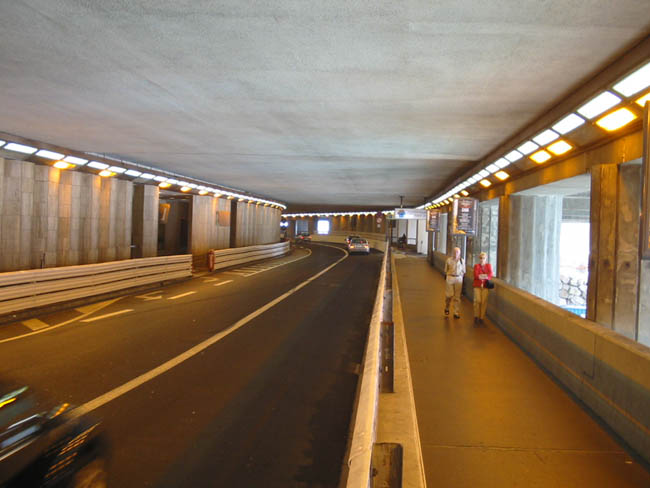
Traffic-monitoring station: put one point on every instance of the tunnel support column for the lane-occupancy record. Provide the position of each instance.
(145, 221)
(643, 296)
(534, 244)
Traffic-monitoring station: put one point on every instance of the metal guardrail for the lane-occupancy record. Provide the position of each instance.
(22, 290)
(224, 258)
(365, 422)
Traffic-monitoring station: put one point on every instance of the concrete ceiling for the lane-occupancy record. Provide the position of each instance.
(318, 104)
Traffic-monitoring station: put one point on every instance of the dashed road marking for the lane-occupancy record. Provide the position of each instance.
(210, 280)
(149, 297)
(182, 295)
(105, 316)
(223, 283)
(35, 324)
(235, 273)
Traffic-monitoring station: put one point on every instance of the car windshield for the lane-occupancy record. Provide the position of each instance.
(358, 241)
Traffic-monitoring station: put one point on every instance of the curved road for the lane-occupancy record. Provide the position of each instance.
(265, 404)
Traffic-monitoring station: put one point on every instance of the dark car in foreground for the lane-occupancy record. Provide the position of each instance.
(44, 444)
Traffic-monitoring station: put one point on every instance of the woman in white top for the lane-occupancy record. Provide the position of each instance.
(454, 272)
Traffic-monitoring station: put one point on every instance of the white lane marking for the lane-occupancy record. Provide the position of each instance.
(166, 366)
(223, 283)
(40, 331)
(149, 297)
(182, 295)
(210, 280)
(105, 316)
(95, 307)
(235, 273)
(35, 324)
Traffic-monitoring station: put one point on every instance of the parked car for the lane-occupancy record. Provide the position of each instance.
(349, 238)
(358, 245)
(45, 444)
(303, 236)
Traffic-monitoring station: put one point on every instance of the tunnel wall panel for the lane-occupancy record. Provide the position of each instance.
(50, 217)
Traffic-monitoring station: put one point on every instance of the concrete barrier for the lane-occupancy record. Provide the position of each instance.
(607, 371)
(224, 258)
(23, 290)
(359, 463)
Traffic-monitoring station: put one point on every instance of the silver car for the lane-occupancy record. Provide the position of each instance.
(358, 245)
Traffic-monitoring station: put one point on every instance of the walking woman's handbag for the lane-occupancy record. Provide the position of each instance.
(488, 284)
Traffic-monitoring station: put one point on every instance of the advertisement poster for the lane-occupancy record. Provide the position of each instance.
(465, 215)
(433, 221)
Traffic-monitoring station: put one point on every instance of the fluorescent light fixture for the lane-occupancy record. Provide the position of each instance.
(97, 165)
(184, 183)
(159, 178)
(132, 172)
(617, 119)
(527, 147)
(512, 156)
(117, 169)
(545, 137)
(230, 197)
(464, 193)
(203, 192)
(192, 185)
(598, 105)
(493, 168)
(147, 176)
(44, 153)
(164, 184)
(75, 160)
(173, 182)
(639, 101)
(483, 173)
(105, 173)
(635, 82)
(502, 175)
(486, 183)
(568, 123)
(2, 143)
(502, 163)
(62, 165)
(560, 147)
(12, 146)
(185, 189)
(540, 157)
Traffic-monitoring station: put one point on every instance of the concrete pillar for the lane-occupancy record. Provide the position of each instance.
(534, 244)
(145, 221)
(600, 293)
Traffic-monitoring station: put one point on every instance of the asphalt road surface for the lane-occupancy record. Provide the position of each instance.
(199, 384)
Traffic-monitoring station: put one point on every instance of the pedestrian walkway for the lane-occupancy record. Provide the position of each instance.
(488, 416)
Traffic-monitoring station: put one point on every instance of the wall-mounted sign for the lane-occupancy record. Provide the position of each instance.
(410, 214)
(433, 220)
(465, 213)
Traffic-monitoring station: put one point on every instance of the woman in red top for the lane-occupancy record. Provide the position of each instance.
(482, 273)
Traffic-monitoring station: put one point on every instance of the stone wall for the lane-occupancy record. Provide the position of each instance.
(573, 291)
(50, 217)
